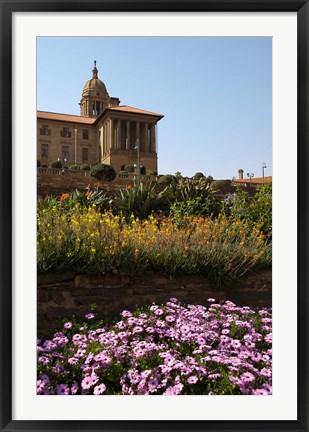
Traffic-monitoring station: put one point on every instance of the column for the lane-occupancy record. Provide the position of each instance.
(103, 131)
(111, 135)
(146, 142)
(128, 144)
(153, 138)
(107, 137)
(119, 134)
(101, 142)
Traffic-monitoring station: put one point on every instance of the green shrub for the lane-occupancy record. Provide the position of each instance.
(256, 210)
(167, 179)
(140, 200)
(103, 172)
(186, 189)
(198, 176)
(74, 167)
(221, 184)
(84, 167)
(152, 173)
(56, 164)
(129, 168)
(180, 211)
(123, 173)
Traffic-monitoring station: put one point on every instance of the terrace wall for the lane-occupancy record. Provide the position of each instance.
(55, 182)
(64, 295)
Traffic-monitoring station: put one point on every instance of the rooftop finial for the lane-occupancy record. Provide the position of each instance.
(95, 70)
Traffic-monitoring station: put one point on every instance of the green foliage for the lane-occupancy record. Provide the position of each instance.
(178, 175)
(220, 184)
(198, 176)
(129, 168)
(123, 173)
(256, 209)
(167, 179)
(76, 198)
(74, 167)
(85, 167)
(179, 210)
(56, 164)
(83, 239)
(103, 172)
(152, 172)
(187, 189)
(140, 200)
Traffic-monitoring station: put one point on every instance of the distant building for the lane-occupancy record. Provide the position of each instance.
(250, 182)
(104, 132)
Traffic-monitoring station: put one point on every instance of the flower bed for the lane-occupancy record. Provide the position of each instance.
(87, 241)
(171, 349)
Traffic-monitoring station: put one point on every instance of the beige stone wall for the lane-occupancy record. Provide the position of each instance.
(101, 142)
(56, 142)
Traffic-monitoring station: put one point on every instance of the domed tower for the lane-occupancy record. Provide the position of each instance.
(95, 97)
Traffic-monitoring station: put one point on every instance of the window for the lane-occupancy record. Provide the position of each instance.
(65, 153)
(85, 133)
(66, 132)
(45, 130)
(85, 154)
(44, 150)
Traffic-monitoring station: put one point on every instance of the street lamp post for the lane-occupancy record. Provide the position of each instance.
(263, 168)
(250, 175)
(75, 141)
(137, 148)
(63, 161)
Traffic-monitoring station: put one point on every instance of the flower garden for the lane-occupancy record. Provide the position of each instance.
(168, 349)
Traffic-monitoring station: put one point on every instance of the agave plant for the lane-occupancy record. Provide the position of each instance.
(140, 200)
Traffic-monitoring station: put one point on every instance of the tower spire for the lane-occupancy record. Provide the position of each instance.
(95, 70)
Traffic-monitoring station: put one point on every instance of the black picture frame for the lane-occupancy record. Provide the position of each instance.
(7, 8)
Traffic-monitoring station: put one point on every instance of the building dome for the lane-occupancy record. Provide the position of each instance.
(94, 97)
(94, 86)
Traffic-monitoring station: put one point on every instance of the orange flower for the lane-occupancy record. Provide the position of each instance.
(88, 194)
(64, 196)
(130, 186)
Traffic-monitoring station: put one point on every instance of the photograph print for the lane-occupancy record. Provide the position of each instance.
(154, 216)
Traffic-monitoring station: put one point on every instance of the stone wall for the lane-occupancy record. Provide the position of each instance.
(56, 183)
(68, 294)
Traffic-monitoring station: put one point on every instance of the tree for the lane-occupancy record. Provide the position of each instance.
(198, 176)
(103, 172)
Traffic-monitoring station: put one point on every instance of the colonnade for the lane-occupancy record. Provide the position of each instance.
(117, 134)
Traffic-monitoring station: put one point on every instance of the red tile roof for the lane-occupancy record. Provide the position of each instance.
(65, 117)
(46, 115)
(254, 180)
(129, 109)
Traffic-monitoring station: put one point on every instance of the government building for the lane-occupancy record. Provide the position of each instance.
(104, 132)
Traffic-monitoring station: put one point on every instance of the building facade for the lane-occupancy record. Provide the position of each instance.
(104, 132)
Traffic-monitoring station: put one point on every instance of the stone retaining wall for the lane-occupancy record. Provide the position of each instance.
(68, 294)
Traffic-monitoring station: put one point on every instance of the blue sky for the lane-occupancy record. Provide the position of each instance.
(215, 94)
